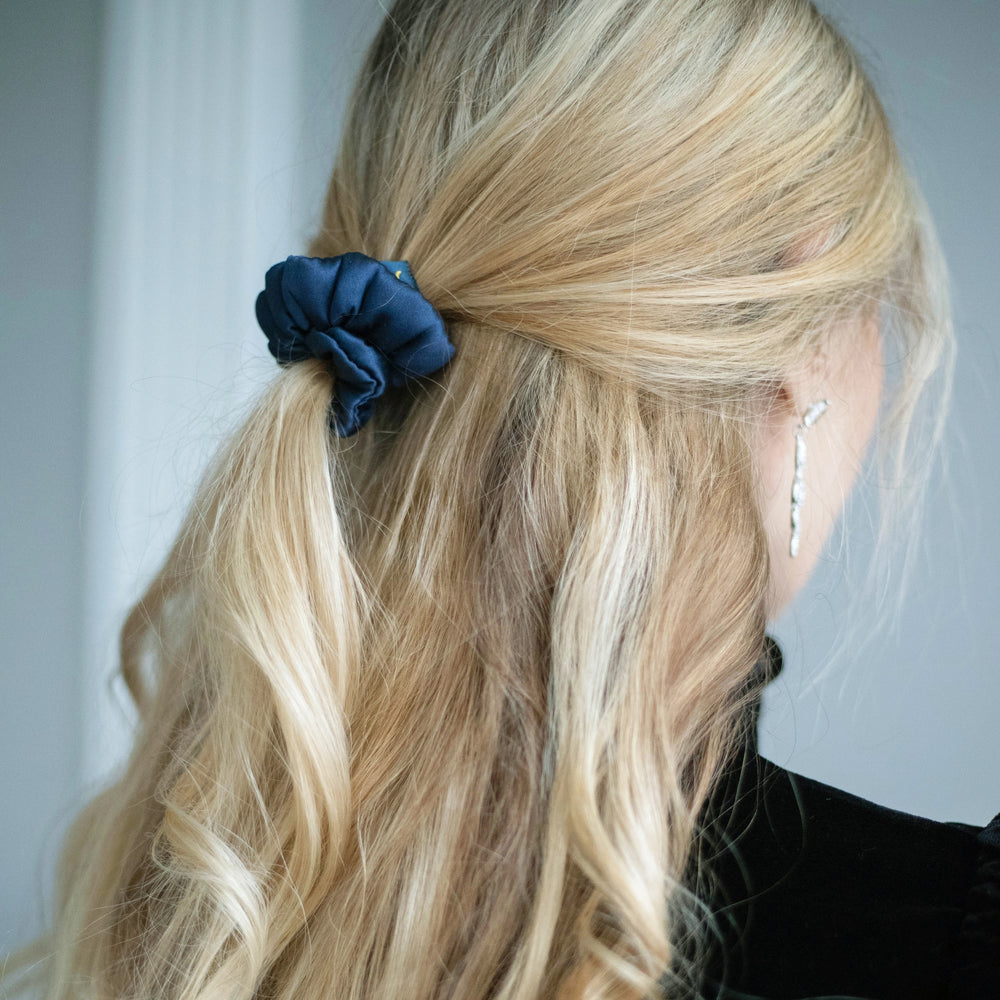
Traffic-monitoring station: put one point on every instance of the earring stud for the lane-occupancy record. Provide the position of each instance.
(799, 482)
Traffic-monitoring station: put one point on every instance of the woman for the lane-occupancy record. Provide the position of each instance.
(448, 685)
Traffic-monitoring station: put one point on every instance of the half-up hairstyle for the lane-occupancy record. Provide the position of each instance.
(432, 711)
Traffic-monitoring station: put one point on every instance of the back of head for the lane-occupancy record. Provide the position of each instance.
(433, 710)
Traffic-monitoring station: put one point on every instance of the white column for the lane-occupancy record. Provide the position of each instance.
(200, 140)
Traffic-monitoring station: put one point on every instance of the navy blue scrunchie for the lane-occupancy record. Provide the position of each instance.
(366, 318)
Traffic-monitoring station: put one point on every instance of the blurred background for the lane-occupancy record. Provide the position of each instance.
(159, 156)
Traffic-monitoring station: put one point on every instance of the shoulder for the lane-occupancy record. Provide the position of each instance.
(818, 892)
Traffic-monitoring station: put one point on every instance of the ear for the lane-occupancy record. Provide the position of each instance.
(847, 370)
(786, 400)
(810, 245)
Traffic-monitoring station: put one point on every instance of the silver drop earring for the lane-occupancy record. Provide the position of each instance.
(799, 482)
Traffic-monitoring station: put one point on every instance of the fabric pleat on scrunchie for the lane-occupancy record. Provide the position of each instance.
(365, 318)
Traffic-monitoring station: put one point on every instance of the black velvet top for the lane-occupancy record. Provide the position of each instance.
(821, 894)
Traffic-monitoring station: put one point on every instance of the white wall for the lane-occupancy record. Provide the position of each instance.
(195, 198)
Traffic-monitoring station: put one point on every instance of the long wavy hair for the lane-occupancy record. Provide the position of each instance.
(432, 711)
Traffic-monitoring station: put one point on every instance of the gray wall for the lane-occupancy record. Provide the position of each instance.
(906, 717)
(49, 72)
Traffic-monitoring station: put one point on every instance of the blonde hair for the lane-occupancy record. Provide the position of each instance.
(432, 711)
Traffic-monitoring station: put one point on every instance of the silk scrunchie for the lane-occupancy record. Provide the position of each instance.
(366, 318)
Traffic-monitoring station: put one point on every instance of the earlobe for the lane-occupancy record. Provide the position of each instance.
(779, 405)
